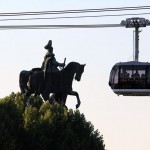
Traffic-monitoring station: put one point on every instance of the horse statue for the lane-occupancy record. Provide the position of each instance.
(59, 83)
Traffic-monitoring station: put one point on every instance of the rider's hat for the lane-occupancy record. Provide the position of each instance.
(49, 45)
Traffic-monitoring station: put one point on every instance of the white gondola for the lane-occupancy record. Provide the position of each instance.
(131, 78)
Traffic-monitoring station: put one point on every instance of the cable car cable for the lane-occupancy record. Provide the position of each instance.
(74, 17)
(59, 26)
(75, 11)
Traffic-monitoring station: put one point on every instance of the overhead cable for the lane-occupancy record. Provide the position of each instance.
(59, 26)
(75, 11)
(74, 17)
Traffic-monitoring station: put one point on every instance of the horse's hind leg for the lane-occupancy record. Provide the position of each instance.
(74, 93)
(63, 101)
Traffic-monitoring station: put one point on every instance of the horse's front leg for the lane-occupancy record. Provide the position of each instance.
(74, 93)
(45, 95)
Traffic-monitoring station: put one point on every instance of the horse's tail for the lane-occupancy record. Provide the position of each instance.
(23, 80)
(22, 89)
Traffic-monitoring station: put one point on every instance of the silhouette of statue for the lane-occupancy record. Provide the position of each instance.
(50, 80)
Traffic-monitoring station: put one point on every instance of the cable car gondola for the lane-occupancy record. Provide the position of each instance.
(131, 78)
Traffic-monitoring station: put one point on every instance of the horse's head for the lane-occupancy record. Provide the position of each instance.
(79, 71)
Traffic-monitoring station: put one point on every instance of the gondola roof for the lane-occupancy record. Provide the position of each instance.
(132, 63)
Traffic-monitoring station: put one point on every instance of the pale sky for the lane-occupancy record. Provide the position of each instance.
(124, 122)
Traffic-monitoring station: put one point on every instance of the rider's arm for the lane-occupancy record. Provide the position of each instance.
(57, 63)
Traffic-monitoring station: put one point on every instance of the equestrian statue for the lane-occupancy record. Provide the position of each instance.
(49, 81)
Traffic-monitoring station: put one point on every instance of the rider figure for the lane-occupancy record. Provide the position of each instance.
(50, 64)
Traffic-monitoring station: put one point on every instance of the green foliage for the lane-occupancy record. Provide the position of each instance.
(44, 126)
(11, 123)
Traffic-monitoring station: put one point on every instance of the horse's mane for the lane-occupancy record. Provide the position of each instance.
(69, 66)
